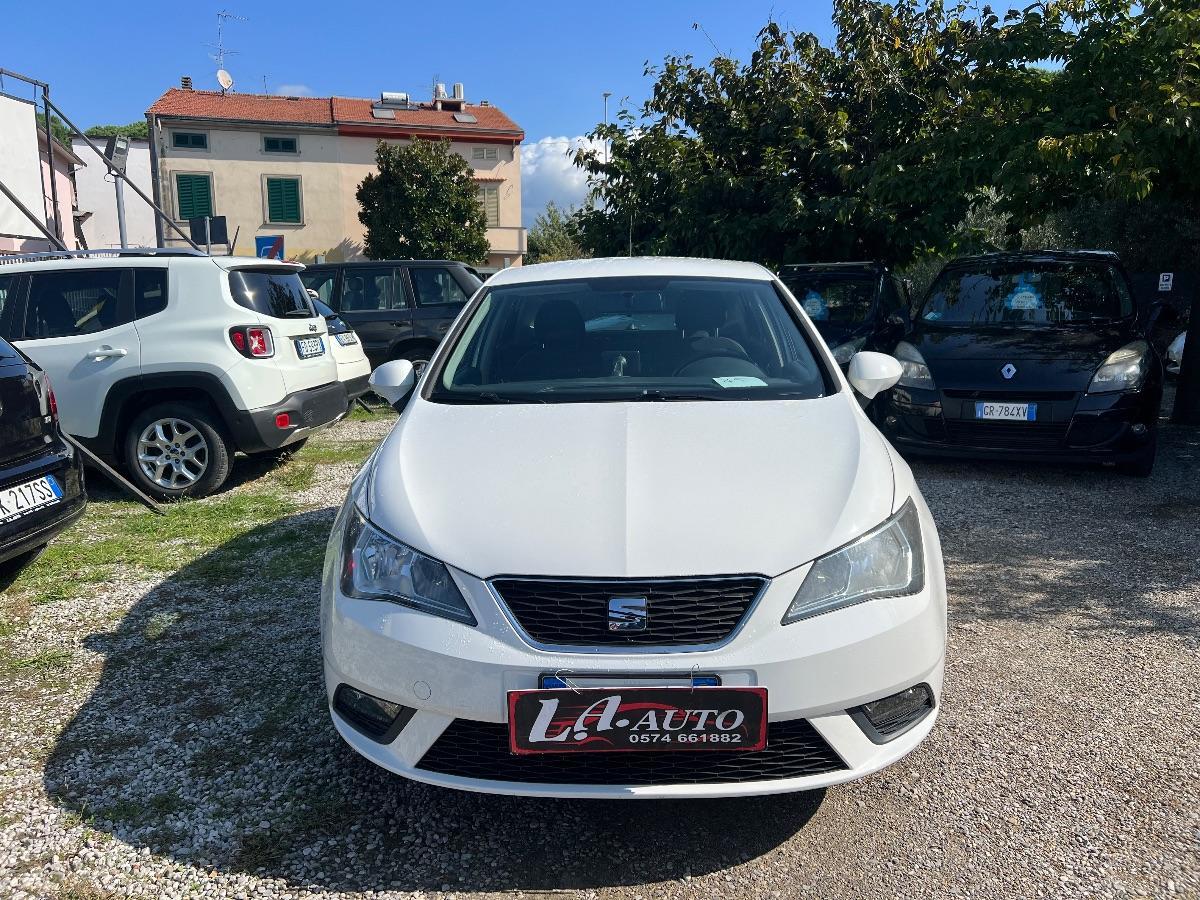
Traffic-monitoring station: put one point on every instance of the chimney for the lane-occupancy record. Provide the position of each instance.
(458, 91)
(186, 82)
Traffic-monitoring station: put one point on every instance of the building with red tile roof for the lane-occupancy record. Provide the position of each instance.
(290, 166)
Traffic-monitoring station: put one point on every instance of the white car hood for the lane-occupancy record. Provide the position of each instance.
(631, 489)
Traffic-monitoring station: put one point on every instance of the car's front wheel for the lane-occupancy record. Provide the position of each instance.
(177, 450)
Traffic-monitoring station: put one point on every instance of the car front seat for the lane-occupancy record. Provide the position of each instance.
(560, 349)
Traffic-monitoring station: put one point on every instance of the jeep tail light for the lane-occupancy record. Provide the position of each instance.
(253, 341)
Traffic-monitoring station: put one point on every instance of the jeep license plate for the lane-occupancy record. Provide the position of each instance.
(307, 348)
(662, 719)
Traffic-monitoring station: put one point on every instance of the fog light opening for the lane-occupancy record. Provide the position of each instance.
(381, 720)
(886, 719)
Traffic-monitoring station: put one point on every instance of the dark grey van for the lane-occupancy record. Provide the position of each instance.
(401, 309)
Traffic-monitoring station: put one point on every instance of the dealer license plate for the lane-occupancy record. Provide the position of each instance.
(670, 719)
(307, 348)
(1011, 412)
(21, 499)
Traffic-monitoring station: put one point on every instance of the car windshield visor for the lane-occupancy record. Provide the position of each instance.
(1027, 294)
(630, 339)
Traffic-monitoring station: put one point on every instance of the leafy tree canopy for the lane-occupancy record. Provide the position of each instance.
(422, 204)
(883, 144)
(137, 131)
(553, 236)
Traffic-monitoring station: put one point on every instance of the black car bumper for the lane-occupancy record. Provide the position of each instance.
(260, 429)
(1070, 427)
(356, 387)
(32, 530)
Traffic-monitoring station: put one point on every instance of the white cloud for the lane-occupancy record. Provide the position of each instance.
(293, 90)
(548, 173)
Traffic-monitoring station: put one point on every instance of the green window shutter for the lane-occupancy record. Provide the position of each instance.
(195, 195)
(283, 200)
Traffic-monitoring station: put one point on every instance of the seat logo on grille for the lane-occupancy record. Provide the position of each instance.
(628, 614)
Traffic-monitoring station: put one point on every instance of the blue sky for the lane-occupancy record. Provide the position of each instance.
(545, 64)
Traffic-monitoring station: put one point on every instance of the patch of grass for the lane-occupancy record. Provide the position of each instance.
(296, 475)
(77, 889)
(333, 453)
(158, 625)
(47, 661)
(260, 851)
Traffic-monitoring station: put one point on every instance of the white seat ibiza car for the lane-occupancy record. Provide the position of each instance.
(633, 536)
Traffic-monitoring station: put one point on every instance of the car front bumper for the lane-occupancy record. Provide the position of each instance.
(814, 670)
(1100, 428)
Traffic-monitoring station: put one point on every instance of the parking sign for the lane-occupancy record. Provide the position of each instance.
(1166, 281)
(269, 246)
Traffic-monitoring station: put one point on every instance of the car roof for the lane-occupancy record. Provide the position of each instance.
(59, 264)
(352, 263)
(1094, 256)
(866, 265)
(629, 267)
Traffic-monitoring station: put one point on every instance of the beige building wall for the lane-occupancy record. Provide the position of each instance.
(330, 167)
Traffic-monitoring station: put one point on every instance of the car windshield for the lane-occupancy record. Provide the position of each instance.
(1030, 294)
(640, 338)
(836, 298)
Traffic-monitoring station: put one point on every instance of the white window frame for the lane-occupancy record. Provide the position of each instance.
(266, 204)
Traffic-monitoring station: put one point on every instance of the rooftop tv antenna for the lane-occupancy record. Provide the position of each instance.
(219, 46)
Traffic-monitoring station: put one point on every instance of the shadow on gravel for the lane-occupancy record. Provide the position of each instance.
(1092, 547)
(207, 741)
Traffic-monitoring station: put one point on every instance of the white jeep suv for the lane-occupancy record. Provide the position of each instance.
(168, 361)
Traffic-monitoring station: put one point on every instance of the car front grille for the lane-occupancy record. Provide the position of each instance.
(679, 611)
(1007, 435)
(480, 750)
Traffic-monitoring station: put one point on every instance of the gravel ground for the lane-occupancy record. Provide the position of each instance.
(181, 748)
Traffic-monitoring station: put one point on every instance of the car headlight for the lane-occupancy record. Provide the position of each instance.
(378, 567)
(1124, 370)
(916, 374)
(843, 353)
(885, 562)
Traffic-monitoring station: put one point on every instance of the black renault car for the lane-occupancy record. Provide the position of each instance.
(400, 309)
(1031, 356)
(41, 475)
(854, 305)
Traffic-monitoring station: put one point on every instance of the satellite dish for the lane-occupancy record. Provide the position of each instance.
(224, 79)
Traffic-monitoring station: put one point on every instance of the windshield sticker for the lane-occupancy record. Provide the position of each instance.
(815, 305)
(1024, 296)
(736, 381)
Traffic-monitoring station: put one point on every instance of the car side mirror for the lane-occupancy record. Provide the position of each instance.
(394, 381)
(313, 295)
(871, 373)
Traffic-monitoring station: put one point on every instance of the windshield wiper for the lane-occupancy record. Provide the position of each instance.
(652, 395)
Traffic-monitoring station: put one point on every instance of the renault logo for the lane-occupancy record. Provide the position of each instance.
(628, 614)
(1008, 371)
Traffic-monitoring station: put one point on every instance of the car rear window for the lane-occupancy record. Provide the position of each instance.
(271, 292)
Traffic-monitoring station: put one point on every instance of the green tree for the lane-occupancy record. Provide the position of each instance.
(789, 157)
(137, 131)
(553, 236)
(422, 204)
